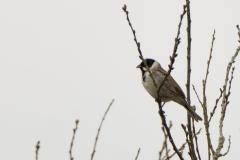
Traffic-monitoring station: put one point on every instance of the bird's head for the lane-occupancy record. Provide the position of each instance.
(151, 63)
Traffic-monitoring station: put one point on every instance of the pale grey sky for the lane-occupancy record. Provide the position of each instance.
(65, 60)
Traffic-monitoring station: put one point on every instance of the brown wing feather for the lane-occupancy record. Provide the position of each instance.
(177, 88)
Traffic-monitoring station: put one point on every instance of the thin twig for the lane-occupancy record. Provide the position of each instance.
(215, 107)
(71, 145)
(96, 139)
(204, 106)
(164, 145)
(208, 63)
(180, 150)
(137, 153)
(224, 104)
(197, 95)
(37, 149)
(192, 150)
(161, 151)
(229, 89)
(161, 113)
(183, 145)
(195, 137)
(188, 50)
(165, 139)
(187, 140)
(138, 45)
(174, 54)
(238, 33)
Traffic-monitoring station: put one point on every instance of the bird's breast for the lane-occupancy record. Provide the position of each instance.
(149, 85)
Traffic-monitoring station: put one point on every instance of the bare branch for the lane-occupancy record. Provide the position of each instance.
(208, 62)
(166, 137)
(187, 140)
(96, 139)
(183, 145)
(164, 145)
(37, 149)
(238, 33)
(71, 145)
(138, 45)
(197, 95)
(137, 153)
(188, 50)
(180, 150)
(224, 104)
(174, 54)
(195, 137)
(161, 113)
(204, 106)
(191, 147)
(165, 141)
(215, 107)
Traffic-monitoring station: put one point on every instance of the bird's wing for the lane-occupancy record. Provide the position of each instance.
(176, 87)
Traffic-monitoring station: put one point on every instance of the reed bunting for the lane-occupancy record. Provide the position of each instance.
(170, 90)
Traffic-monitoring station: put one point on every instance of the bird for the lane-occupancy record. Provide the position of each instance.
(170, 90)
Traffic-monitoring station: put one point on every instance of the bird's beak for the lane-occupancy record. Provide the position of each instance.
(139, 66)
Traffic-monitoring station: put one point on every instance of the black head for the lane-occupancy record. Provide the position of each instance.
(149, 63)
(142, 67)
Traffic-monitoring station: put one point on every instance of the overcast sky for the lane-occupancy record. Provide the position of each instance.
(62, 60)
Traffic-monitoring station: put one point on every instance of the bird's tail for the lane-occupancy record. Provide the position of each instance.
(192, 113)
